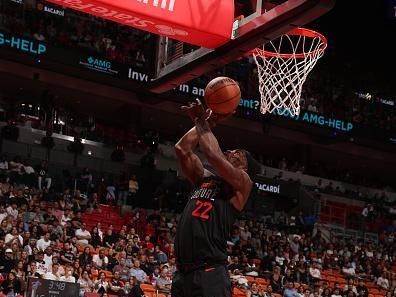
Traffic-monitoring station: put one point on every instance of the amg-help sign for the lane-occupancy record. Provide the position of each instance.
(21, 44)
(206, 23)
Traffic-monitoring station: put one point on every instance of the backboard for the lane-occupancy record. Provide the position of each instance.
(179, 62)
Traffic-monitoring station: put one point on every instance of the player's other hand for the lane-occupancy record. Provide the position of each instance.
(196, 111)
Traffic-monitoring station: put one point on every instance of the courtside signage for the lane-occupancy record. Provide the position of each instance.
(206, 23)
(22, 45)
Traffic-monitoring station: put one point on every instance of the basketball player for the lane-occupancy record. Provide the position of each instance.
(218, 196)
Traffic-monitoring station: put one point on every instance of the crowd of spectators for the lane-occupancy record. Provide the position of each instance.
(324, 91)
(50, 237)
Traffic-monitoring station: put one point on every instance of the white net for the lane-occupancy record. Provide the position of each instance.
(283, 66)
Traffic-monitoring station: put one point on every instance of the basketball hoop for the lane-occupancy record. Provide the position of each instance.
(283, 66)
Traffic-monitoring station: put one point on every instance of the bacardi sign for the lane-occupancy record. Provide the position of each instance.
(206, 23)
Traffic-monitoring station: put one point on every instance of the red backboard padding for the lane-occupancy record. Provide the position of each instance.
(206, 23)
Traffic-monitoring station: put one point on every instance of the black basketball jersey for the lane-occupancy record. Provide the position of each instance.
(205, 223)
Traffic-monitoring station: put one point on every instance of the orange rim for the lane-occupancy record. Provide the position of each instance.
(296, 32)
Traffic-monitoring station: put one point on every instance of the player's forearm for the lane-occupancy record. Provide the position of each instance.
(188, 142)
(207, 141)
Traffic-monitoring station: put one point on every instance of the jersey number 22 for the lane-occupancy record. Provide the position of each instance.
(202, 210)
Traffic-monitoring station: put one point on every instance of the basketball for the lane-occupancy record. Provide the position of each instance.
(222, 95)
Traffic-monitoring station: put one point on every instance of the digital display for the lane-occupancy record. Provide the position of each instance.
(38, 287)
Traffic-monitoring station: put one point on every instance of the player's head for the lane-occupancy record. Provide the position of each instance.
(243, 159)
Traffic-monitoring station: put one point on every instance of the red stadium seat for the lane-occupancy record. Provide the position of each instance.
(147, 288)
(86, 294)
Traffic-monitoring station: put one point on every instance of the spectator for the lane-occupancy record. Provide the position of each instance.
(122, 269)
(42, 267)
(3, 213)
(20, 272)
(44, 242)
(289, 290)
(336, 293)
(67, 255)
(13, 237)
(11, 285)
(362, 289)
(137, 272)
(85, 258)
(83, 235)
(160, 256)
(96, 240)
(348, 269)
(122, 190)
(111, 194)
(53, 274)
(171, 265)
(132, 288)
(86, 180)
(276, 280)
(101, 285)
(163, 283)
(48, 255)
(115, 286)
(383, 282)
(155, 275)
(100, 261)
(7, 263)
(85, 282)
(3, 168)
(254, 291)
(245, 234)
(314, 272)
(294, 244)
(109, 239)
(12, 210)
(133, 187)
(43, 176)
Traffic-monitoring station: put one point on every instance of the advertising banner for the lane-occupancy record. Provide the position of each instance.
(276, 187)
(51, 9)
(22, 45)
(206, 23)
(269, 195)
(98, 65)
(326, 121)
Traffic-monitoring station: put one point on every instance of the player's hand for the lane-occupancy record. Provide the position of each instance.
(195, 110)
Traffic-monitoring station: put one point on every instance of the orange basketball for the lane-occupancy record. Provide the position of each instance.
(222, 95)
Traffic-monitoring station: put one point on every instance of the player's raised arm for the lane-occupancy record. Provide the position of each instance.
(237, 177)
(190, 163)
